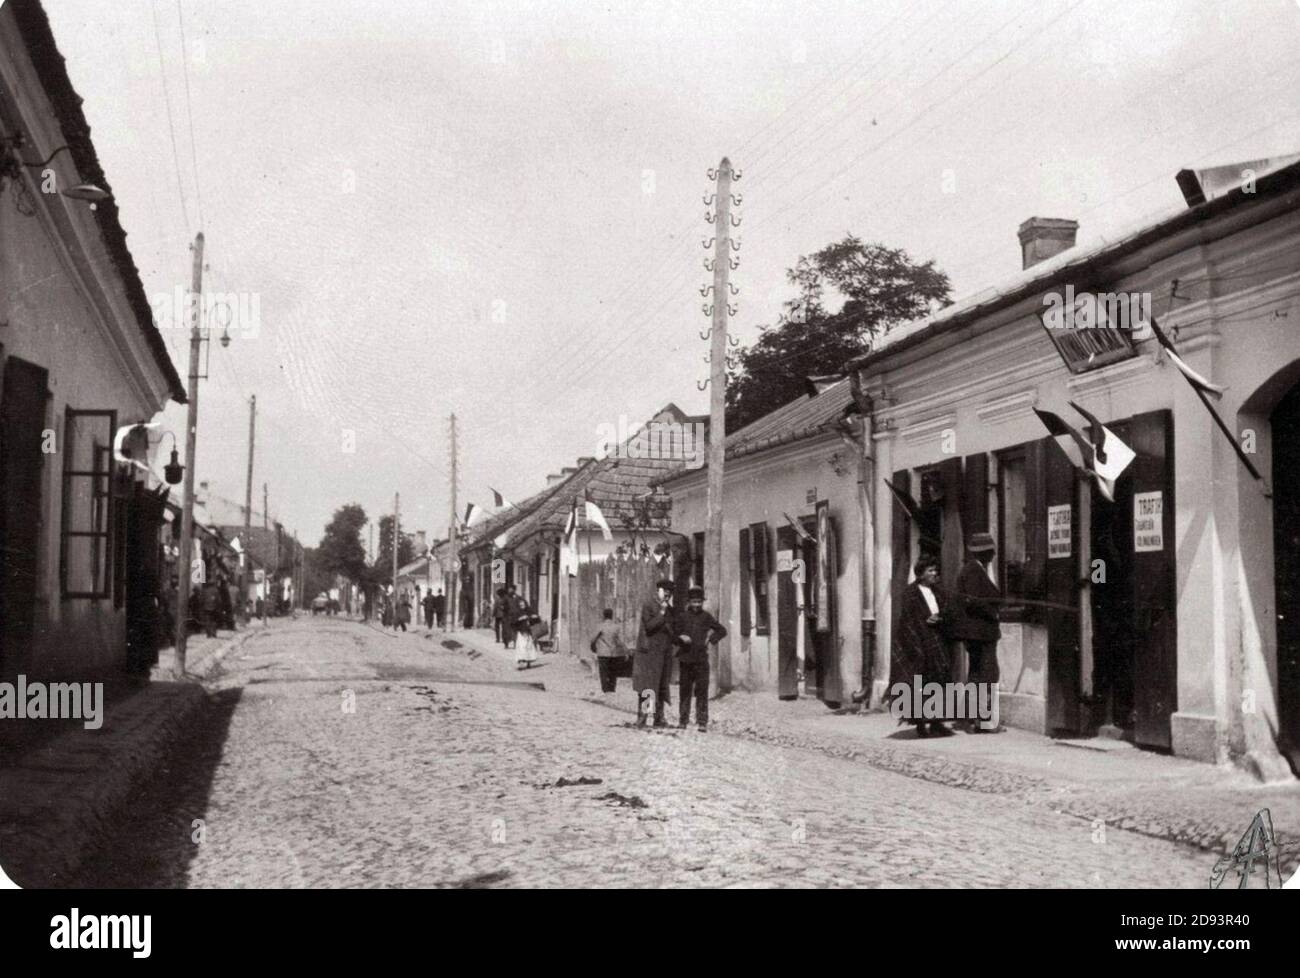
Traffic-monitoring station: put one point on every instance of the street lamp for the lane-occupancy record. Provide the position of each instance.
(11, 170)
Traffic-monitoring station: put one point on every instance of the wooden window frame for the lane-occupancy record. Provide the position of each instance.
(101, 476)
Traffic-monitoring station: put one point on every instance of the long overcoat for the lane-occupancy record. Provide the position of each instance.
(653, 662)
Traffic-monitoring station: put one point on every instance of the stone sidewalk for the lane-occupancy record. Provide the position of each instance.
(60, 795)
(1110, 784)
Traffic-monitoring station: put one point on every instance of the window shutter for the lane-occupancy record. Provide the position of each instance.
(900, 548)
(745, 569)
(762, 569)
(975, 495)
(1036, 514)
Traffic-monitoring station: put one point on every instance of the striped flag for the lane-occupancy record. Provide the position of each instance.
(1081, 452)
(909, 504)
(474, 514)
(596, 516)
(499, 501)
(1195, 379)
(1110, 455)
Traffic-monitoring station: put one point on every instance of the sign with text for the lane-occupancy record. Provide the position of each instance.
(1148, 522)
(784, 561)
(1059, 520)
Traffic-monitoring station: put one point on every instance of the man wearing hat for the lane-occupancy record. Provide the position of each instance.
(975, 621)
(696, 631)
(653, 663)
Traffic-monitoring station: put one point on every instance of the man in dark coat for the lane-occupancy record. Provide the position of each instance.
(920, 654)
(498, 611)
(975, 619)
(439, 605)
(697, 630)
(428, 609)
(511, 610)
(652, 665)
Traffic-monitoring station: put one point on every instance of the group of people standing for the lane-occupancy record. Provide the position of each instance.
(666, 634)
(931, 622)
(515, 624)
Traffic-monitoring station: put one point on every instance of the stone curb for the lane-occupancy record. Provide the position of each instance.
(56, 804)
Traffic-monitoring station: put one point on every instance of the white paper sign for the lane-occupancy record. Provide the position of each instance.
(1058, 531)
(784, 560)
(1148, 522)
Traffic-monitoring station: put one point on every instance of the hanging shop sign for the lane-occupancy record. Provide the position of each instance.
(1093, 329)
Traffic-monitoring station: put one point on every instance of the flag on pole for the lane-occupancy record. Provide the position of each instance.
(596, 516)
(1195, 379)
(569, 548)
(499, 501)
(1110, 455)
(909, 504)
(1082, 453)
(474, 513)
(1202, 388)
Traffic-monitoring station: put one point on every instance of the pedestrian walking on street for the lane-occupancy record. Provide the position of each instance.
(428, 609)
(612, 656)
(975, 619)
(498, 611)
(525, 643)
(919, 648)
(510, 611)
(652, 664)
(698, 633)
(210, 605)
(440, 606)
(403, 612)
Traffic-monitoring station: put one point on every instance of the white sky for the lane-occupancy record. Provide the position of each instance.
(391, 179)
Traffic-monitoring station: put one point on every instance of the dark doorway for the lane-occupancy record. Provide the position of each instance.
(1286, 565)
(1134, 611)
(22, 422)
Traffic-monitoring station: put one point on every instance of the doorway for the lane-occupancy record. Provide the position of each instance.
(1286, 566)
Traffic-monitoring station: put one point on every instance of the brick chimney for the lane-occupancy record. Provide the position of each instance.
(1043, 237)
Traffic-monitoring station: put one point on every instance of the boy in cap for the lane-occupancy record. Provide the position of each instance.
(696, 631)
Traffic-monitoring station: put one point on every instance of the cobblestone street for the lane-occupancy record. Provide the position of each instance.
(334, 754)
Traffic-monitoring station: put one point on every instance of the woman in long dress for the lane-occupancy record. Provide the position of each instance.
(525, 644)
(920, 651)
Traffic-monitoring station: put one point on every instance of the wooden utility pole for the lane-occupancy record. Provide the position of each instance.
(185, 570)
(266, 571)
(248, 506)
(718, 388)
(453, 587)
(397, 529)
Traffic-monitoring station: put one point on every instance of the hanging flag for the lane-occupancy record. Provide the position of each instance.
(1202, 388)
(1110, 455)
(474, 513)
(909, 504)
(1196, 380)
(596, 516)
(1077, 448)
(799, 531)
(569, 548)
(499, 501)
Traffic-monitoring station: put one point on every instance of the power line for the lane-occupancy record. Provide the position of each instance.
(189, 111)
(171, 127)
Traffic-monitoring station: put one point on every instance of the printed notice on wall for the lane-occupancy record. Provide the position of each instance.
(1058, 531)
(784, 561)
(1148, 522)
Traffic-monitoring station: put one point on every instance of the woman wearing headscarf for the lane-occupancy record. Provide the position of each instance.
(920, 652)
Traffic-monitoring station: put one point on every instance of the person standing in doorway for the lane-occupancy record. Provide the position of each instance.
(976, 617)
(698, 634)
(652, 665)
(920, 652)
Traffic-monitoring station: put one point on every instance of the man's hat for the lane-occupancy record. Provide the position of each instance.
(981, 543)
(666, 584)
(695, 592)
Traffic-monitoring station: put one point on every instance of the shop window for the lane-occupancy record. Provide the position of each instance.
(86, 532)
(1013, 536)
